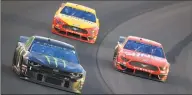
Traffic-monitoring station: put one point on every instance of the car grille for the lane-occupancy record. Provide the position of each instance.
(146, 75)
(51, 70)
(72, 34)
(144, 65)
(73, 28)
(141, 73)
(48, 70)
(53, 80)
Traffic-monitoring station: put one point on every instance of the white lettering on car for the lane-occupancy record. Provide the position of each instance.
(136, 54)
(130, 54)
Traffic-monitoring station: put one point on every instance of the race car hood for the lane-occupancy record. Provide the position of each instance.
(145, 58)
(78, 22)
(55, 63)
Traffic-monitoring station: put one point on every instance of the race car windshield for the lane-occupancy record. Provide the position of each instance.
(78, 13)
(54, 51)
(144, 48)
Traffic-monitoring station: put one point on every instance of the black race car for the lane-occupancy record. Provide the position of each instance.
(49, 62)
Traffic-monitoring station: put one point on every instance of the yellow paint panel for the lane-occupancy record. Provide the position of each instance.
(77, 22)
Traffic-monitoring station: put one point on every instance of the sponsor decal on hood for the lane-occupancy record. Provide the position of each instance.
(150, 59)
(55, 63)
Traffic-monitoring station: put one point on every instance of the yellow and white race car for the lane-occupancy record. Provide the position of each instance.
(77, 22)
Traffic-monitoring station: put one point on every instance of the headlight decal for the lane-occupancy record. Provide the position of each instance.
(124, 59)
(163, 68)
(93, 31)
(33, 63)
(58, 21)
(76, 75)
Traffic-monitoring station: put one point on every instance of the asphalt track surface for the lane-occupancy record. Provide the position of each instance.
(140, 17)
(170, 26)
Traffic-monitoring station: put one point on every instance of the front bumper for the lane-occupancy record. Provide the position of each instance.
(73, 34)
(52, 80)
(140, 73)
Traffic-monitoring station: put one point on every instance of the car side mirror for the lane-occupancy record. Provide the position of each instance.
(121, 40)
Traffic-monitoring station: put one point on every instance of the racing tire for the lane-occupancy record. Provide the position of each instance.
(96, 38)
(115, 54)
(114, 61)
(114, 58)
(19, 73)
(13, 61)
(163, 81)
(14, 58)
(20, 67)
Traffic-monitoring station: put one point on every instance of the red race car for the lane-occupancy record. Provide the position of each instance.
(141, 57)
(77, 22)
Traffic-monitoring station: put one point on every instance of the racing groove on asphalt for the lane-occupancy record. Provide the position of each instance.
(35, 18)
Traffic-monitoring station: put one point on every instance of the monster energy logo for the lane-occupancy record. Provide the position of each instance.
(55, 61)
(64, 63)
(47, 59)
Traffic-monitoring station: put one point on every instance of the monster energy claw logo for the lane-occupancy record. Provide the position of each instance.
(55, 61)
(47, 59)
(64, 63)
